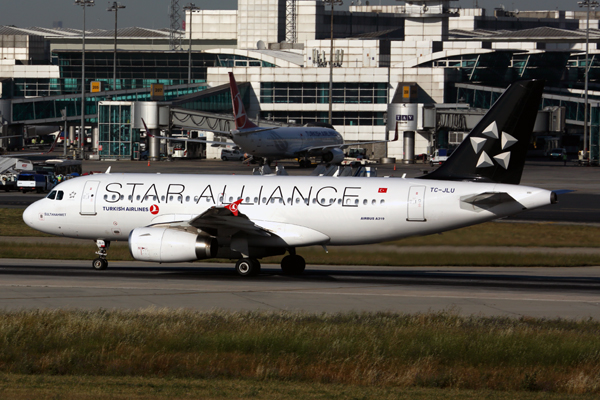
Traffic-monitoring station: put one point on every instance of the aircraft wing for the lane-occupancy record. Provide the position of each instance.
(342, 146)
(223, 218)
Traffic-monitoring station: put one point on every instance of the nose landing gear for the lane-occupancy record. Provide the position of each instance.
(101, 262)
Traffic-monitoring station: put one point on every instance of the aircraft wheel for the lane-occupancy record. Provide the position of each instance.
(247, 267)
(100, 263)
(293, 265)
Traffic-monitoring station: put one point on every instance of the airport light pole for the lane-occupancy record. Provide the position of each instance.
(587, 4)
(84, 4)
(332, 3)
(115, 7)
(190, 7)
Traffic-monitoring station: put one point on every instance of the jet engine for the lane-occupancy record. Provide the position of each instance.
(333, 156)
(170, 245)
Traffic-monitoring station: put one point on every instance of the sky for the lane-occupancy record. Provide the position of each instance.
(155, 13)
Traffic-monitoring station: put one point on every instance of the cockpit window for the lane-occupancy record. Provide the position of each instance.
(59, 195)
(52, 195)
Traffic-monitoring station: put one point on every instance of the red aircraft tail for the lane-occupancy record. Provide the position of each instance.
(239, 112)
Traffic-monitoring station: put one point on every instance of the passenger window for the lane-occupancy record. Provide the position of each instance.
(105, 197)
(356, 201)
(170, 198)
(365, 201)
(247, 199)
(122, 197)
(373, 202)
(297, 200)
(52, 195)
(382, 202)
(187, 199)
(59, 195)
(137, 197)
(230, 199)
(162, 198)
(264, 199)
(256, 199)
(339, 201)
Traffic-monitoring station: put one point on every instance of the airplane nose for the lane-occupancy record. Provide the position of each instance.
(30, 215)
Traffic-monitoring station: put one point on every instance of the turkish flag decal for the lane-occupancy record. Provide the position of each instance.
(382, 190)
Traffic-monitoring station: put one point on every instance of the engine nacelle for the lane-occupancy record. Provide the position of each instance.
(333, 156)
(170, 245)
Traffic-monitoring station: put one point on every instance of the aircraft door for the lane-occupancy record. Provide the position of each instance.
(88, 198)
(416, 204)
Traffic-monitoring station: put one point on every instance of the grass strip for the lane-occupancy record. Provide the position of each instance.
(382, 350)
(488, 234)
(52, 387)
(313, 256)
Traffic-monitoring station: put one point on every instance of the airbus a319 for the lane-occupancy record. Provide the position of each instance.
(179, 218)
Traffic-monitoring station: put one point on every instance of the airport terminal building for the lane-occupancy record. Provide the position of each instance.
(426, 66)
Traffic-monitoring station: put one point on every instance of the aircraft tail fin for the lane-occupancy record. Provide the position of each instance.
(239, 112)
(494, 151)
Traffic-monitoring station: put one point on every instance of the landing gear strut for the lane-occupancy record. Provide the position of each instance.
(293, 264)
(305, 163)
(101, 262)
(247, 267)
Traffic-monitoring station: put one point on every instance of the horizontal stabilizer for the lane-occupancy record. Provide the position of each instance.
(488, 199)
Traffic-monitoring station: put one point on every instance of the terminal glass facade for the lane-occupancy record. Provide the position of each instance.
(116, 138)
(318, 93)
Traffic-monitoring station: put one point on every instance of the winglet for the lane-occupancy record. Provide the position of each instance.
(233, 207)
(239, 112)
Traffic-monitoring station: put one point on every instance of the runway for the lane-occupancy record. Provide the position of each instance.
(572, 293)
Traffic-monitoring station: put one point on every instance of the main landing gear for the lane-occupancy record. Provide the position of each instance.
(291, 264)
(101, 262)
(247, 267)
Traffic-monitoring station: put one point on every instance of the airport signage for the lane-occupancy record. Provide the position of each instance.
(157, 91)
(96, 87)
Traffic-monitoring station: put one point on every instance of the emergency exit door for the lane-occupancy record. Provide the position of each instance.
(88, 198)
(416, 204)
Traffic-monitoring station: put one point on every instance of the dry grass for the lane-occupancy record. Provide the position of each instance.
(52, 387)
(437, 350)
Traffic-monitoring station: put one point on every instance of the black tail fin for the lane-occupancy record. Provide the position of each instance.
(494, 151)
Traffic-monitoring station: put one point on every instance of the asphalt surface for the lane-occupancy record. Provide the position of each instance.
(538, 292)
(571, 293)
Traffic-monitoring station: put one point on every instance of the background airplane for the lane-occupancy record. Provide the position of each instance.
(266, 144)
(178, 218)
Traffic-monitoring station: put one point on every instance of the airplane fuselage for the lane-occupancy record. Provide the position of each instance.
(285, 142)
(299, 211)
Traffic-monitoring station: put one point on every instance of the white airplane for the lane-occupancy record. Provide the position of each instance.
(179, 218)
(266, 144)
